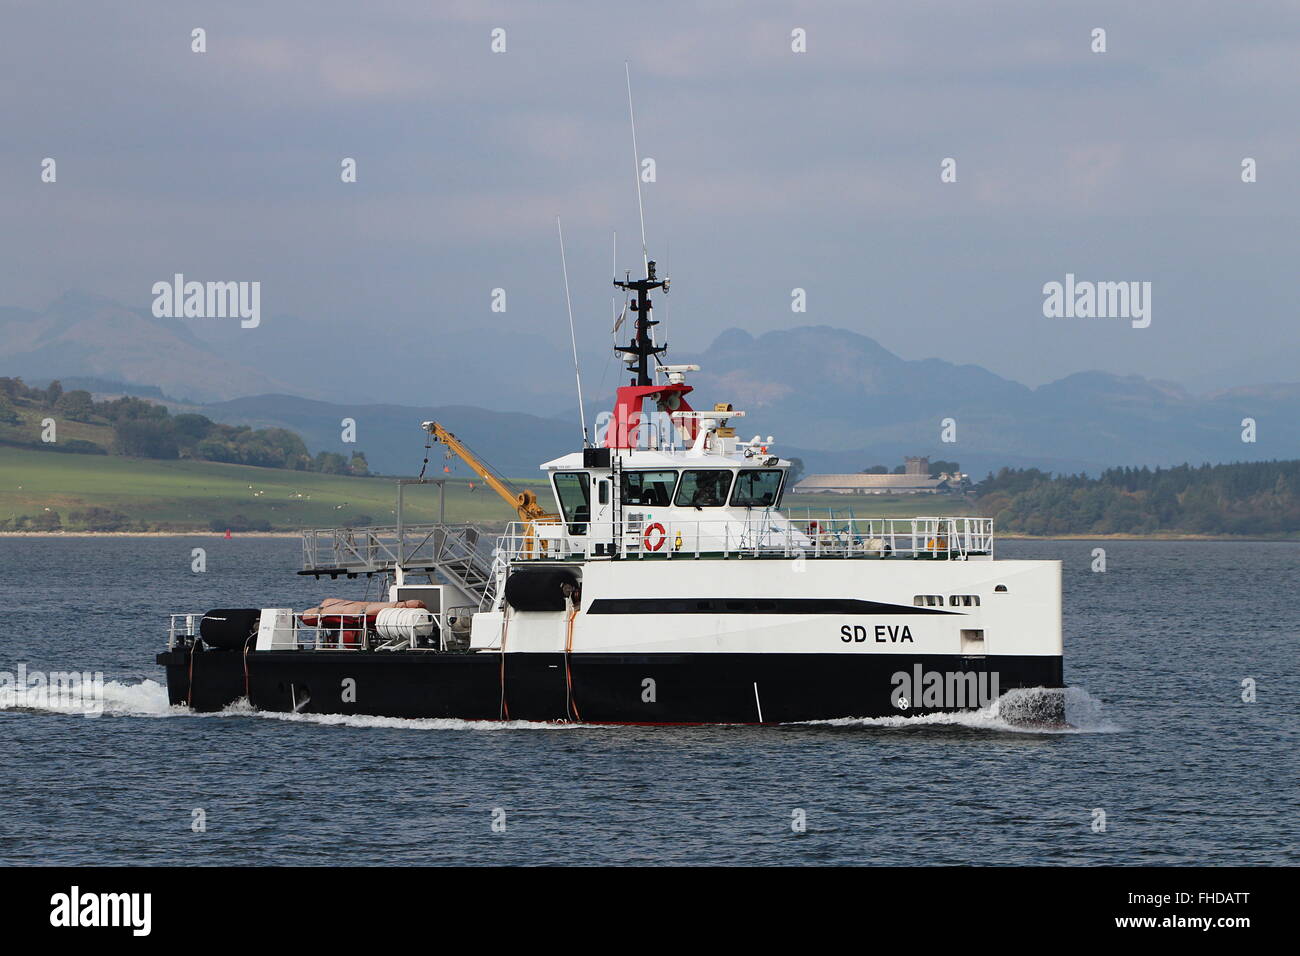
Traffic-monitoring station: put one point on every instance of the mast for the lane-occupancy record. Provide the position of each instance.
(642, 347)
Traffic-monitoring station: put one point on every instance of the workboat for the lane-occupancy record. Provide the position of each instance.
(656, 580)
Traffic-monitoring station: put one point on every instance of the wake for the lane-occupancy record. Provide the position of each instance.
(1016, 711)
(148, 698)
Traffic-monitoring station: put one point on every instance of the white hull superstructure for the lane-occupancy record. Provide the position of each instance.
(781, 608)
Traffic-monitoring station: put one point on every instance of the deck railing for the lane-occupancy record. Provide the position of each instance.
(183, 625)
(767, 536)
(452, 549)
(329, 632)
(378, 548)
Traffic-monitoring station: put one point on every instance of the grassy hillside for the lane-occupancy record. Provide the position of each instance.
(190, 495)
(27, 430)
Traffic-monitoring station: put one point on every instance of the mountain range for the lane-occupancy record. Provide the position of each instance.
(830, 389)
(835, 398)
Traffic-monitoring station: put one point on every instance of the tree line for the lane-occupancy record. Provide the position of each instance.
(937, 468)
(142, 429)
(1243, 498)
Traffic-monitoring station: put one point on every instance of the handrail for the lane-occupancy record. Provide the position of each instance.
(376, 548)
(771, 535)
(451, 549)
(182, 625)
(347, 631)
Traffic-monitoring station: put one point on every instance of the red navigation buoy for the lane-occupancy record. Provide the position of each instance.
(227, 533)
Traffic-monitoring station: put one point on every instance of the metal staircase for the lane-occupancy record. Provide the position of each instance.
(449, 550)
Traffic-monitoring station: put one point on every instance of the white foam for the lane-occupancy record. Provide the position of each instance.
(411, 723)
(1013, 712)
(148, 698)
(242, 708)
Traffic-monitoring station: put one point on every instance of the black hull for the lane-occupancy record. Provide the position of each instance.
(594, 688)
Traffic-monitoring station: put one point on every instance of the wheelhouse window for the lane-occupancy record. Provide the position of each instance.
(649, 489)
(573, 489)
(703, 489)
(757, 488)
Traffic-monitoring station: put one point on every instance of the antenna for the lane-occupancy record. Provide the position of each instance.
(636, 168)
(573, 338)
(643, 347)
(668, 261)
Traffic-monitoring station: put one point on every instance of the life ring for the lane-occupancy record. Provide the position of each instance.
(663, 536)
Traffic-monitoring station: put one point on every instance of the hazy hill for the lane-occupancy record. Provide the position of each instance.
(391, 436)
(90, 336)
(836, 398)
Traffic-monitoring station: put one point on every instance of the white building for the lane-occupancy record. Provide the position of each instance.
(916, 480)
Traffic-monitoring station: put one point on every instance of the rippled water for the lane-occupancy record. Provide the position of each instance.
(1156, 651)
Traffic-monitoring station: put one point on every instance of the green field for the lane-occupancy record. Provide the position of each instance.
(190, 495)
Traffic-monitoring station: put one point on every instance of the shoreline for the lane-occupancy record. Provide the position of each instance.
(1006, 536)
(1167, 536)
(150, 534)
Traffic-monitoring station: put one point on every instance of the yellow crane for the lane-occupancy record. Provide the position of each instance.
(524, 502)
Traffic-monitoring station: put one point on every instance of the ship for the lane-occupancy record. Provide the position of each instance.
(656, 579)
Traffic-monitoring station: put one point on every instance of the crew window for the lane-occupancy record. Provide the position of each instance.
(649, 489)
(573, 488)
(757, 488)
(964, 600)
(928, 600)
(703, 489)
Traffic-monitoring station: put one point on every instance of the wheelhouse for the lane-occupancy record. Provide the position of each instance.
(693, 488)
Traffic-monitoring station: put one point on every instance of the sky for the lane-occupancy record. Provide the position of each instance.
(774, 170)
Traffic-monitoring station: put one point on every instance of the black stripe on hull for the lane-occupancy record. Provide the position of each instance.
(752, 605)
(606, 688)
